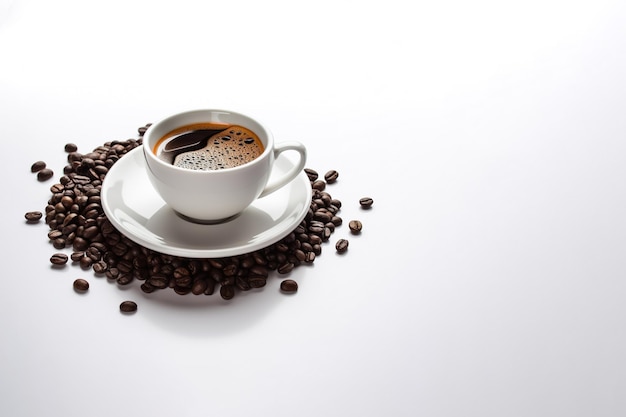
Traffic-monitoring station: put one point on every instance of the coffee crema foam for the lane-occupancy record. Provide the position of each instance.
(209, 146)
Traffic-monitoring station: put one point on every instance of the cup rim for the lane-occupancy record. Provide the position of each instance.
(147, 147)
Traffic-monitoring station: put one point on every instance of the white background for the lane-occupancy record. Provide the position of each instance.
(490, 276)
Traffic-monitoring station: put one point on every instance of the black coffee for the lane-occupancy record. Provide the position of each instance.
(209, 146)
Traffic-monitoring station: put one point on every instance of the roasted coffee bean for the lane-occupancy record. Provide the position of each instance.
(366, 202)
(337, 221)
(341, 245)
(77, 256)
(66, 201)
(355, 226)
(159, 281)
(256, 281)
(59, 243)
(316, 228)
(94, 254)
(33, 216)
(80, 244)
(260, 270)
(315, 240)
(227, 292)
(70, 147)
(210, 287)
(85, 262)
(300, 255)
(319, 185)
(128, 306)
(99, 267)
(311, 173)
(322, 216)
(289, 285)
(54, 234)
(81, 285)
(199, 286)
(59, 259)
(124, 279)
(37, 166)
(331, 176)
(45, 174)
(326, 234)
(57, 188)
(285, 268)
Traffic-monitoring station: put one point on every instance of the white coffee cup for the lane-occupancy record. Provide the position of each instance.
(213, 196)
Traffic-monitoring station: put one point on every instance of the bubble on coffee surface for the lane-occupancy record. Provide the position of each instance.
(227, 149)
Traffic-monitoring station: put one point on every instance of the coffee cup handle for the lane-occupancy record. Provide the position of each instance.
(293, 172)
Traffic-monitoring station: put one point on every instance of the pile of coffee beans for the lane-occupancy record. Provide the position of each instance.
(76, 219)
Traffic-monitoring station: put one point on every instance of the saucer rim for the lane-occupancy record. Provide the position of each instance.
(195, 253)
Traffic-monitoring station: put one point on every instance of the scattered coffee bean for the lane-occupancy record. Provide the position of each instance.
(331, 176)
(319, 185)
(366, 202)
(33, 216)
(341, 245)
(81, 285)
(311, 173)
(227, 291)
(355, 226)
(143, 129)
(289, 285)
(128, 306)
(37, 166)
(45, 174)
(70, 147)
(285, 268)
(59, 259)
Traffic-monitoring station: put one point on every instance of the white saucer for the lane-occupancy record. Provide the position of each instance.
(136, 210)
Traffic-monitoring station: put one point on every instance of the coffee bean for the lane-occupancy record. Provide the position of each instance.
(289, 285)
(257, 281)
(341, 245)
(54, 234)
(199, 286)
(85, 262)
(227, 292)
(37, 166)
(59, 259)
(76, 256)
(285, 268)
(128, 306)
(81, 285)
(59, 243)
(311, 173)
(100, 267)
(319, 185)
(366, 202)
(331, 176)
(355, 226)
(322, 216)
(33, 216)
(45, 174)
(70, 147)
